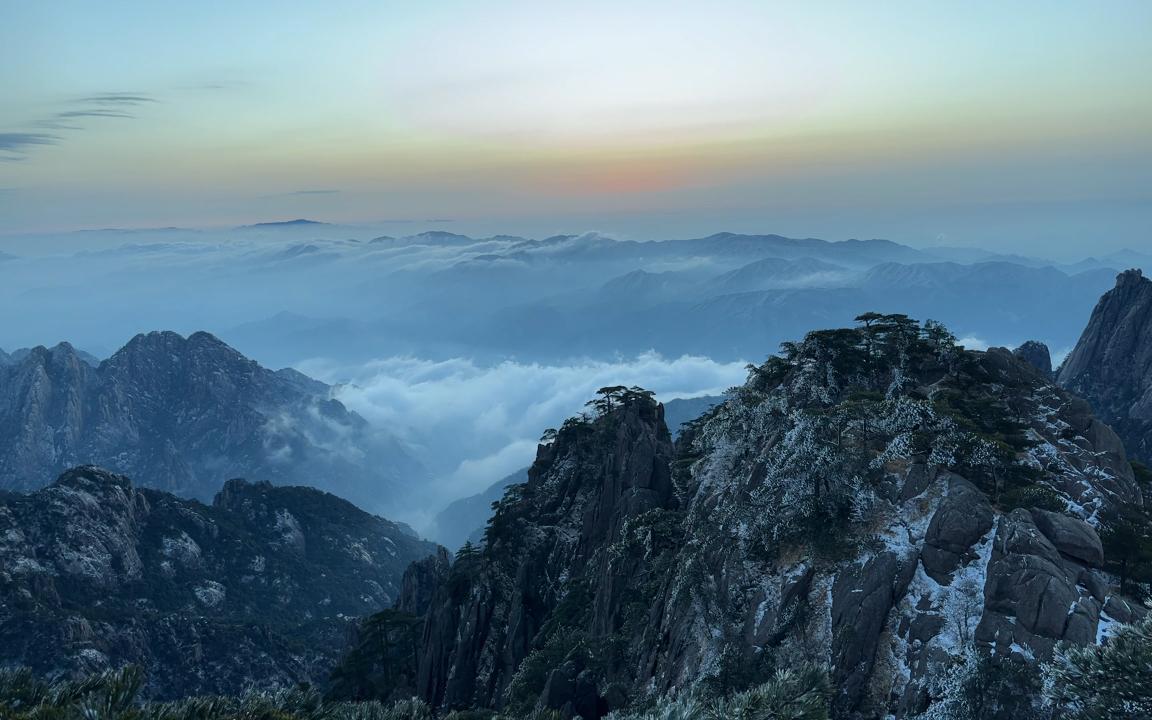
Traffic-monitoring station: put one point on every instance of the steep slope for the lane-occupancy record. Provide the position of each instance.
(184, 415)
(1111, 365)
(464, 519)
(878, 501)
(253, 589)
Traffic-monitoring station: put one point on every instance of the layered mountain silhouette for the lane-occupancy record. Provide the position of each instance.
(186, 414)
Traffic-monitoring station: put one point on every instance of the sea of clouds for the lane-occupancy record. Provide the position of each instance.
(472, 425)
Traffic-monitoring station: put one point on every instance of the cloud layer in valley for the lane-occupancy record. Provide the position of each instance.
(472, 425)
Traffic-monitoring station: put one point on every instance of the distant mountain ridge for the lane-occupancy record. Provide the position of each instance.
(464, 519)
(186, 414)
(21, 353)
(727, 296)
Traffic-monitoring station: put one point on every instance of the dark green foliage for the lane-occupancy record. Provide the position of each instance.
(1128, 551)
(737, 671)
(1142, 473)
(111, 694)
(1105, 682)
(1032, 496)
(616, 396)
(466, 569)
(573, 612)
(114, 695)
(384, 662)
(801, 693)
(577, 646)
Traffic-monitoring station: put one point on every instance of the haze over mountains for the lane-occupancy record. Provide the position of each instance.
(186, 414)
(464, 348)
(283, 293)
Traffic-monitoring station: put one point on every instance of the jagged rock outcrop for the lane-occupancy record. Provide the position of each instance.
(184, 415)
(1036, 353)
(255, 589)
(579, 501)
(862, 502)
(421, 580)
(1111, 365)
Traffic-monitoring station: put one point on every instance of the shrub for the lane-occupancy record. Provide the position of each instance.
(1033, 496)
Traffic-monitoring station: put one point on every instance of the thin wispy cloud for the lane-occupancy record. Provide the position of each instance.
(14, 145)
(118, 99)
(93, 113)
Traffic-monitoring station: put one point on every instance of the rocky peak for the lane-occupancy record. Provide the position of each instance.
(1036, 353)
(186, 414)
(876, 500)
(231, 496)
(548, 545)
(1111, 365)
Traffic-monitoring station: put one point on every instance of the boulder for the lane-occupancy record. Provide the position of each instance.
(963, 517)
(1071, 536)
(1031, 596)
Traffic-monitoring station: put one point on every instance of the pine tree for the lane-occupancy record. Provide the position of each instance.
(1112, 681)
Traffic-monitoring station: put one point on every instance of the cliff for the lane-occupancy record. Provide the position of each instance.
(1111, 365)
(877, 501)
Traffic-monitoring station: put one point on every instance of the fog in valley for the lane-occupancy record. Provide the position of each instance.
(465, 349)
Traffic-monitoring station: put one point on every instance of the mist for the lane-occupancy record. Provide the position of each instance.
(472, 425)
(466, 349)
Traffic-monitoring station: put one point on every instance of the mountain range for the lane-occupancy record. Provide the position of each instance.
(876, 500)
(286, 293)
(185, 415)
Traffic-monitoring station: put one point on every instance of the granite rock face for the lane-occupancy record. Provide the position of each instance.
(963, 517)
(257, 588)
(421, 580)
(184, 415)
(1111, 365)
(1035, 353)
(684, 564)
(555, 527)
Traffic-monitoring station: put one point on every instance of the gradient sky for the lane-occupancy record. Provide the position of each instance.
(1021, 125)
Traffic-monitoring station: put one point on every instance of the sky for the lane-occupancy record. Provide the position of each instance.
(1024, 126)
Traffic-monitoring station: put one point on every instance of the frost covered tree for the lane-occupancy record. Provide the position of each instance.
(1112, 681)
(802, 693)
(976, 687)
